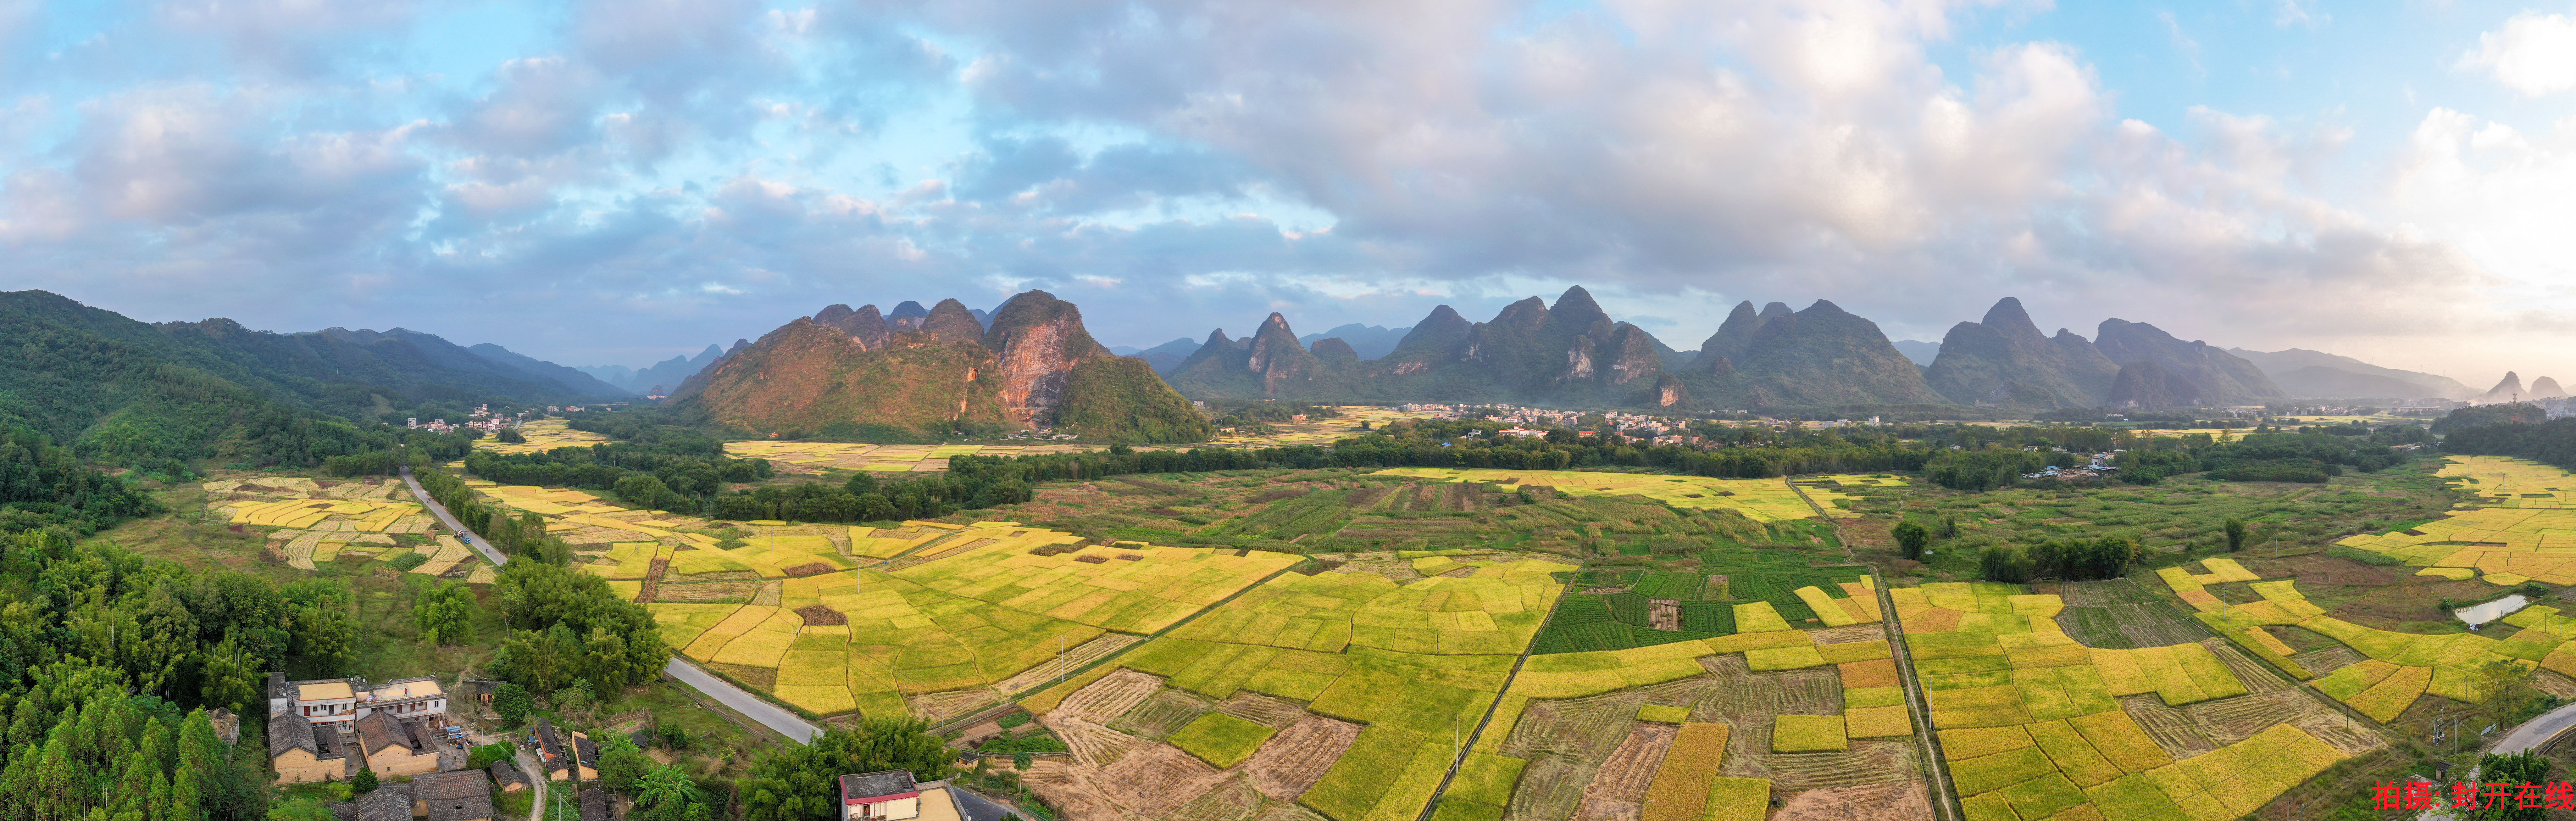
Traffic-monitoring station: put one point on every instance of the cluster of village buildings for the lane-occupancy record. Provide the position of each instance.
(482, 419)
(330, 729)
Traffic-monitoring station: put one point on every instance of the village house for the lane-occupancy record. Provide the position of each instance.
(304, 752)
(463, 795)
(566, 755)
(506, 776)
(394, 747)
(339, 700)
(892, 795)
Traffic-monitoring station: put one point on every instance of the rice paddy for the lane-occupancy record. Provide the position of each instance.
(2034, 723)
(2521, 526)
(543, 435)
(995, 603)
(309, 522)
(1762, 500)
(815, 457)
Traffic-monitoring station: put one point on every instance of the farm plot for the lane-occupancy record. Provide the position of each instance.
(1757, 714)
(1762, 500)
(1774, 590)
(2118, 614)
(2522, 526)
(543, 435)
(2399, 667)
(309, 521)
(1404, 666)
(2034, 723)
(814, 457)
(939, 637)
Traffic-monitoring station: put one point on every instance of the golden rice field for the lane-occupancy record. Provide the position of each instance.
(2401, 666)
(1317, 432)
(543, 435)
(1762, 500)
(810, 457)
(968, 608)
(2521, 528)
(2035, 725)
(314, 521)
(1408, 667)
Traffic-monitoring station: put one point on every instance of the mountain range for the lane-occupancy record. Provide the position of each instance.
(919, 374)
(2309, 373)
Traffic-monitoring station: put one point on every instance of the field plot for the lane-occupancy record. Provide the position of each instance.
(1403, 666)
(2170, 515)
(1779, 712)
(1318, 432)
(1773, 590)
(2117, 614)
(2400, 666)
(937, 637)
(815, 457)
(2035, 724)
(311, 521)
(2522, 527)
(1762, 500)
(543, 435)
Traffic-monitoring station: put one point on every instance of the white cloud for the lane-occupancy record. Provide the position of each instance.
(2534, 54)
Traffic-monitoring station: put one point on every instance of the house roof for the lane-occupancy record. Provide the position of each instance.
(594, 805)
(389, 802)
(447, 785)
(288, 731)
(506, 772)
(973, 807)
(453, 796)
(588, 749)
(401, 688)
(379, 730)
(323, 691)
(876, 784)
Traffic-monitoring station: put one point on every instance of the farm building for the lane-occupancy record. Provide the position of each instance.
(506, 776)
(463, 795)
(304, 752)
(566, 755)
(390, 802)
(339, 700)
(392, 747)
(892, 795)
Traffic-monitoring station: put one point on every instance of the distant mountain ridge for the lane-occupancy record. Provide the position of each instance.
(1570, 352)
(2281, 363)
(917, 374)
(1368, 341)
(665, 375)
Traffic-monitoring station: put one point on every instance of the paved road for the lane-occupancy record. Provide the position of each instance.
(770, 715)
(452, 526)
(2531, 734)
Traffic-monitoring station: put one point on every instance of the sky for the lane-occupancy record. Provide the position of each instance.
(621, 182)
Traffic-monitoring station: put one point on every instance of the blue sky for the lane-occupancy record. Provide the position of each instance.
(617, 183)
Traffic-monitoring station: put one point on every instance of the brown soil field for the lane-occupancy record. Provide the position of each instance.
(1848, 635)
(1105, 700)
(1664, 614)
(1162, 714)
(2174, 730)
(1261, 709)
(942, 706)
(1297, 757)
(1074, 659)
(1893, 801)
(1624, 776)
(1151, 781)
(1233, 800)
(1867, 762)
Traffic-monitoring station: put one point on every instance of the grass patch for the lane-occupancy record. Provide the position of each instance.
(1222, 740)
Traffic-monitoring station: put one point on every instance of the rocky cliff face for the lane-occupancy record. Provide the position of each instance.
(864, 324)
(1037, 341)
(2145, 384)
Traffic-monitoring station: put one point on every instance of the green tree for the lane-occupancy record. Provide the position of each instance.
(799, 783)
(512, 702)
(621, 765)
(2526, 767)
(362, 783)
(2508, 691)
(445, 613)
(1911, 537)
(1022, 761)
(324, 640)
(2235, 535)
(667, 793)
(229, 678)
(301, 809)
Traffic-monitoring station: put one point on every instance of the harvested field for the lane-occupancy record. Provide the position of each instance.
(2330, 658)
(1664, 614)
(1867, 762)
(2117, 614)
(815, 614)
(1261, 709)
(1551, 788)
(1892, 801)
(2172, 729)
(1298, 756)
(1105, 700)
(1627, 772)
(1161, 714)
(1233, 800)
(942, 706)
(735, 591)
(1151, 781)
(1849, 634)
(1074, 659)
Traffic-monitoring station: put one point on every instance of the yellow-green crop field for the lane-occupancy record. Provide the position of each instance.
(810, 457)
(309, 521)
(1409, 666)
(1318, 432)
(973, 617)
(1762, 500)
(2033, 724)
(2521, 528)
(543, 435)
